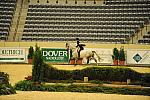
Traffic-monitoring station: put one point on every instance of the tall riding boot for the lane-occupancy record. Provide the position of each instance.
(78, 54)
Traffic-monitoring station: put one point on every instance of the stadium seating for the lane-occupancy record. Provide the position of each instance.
(7, 8)
(146, 39)
(107, 23)
(116, 21)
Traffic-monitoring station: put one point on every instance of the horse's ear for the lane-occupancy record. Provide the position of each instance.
(67, 45)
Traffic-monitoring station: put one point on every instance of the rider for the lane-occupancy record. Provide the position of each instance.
(80, 46)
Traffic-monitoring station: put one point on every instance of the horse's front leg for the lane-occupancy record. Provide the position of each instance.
(75, 62)
(88, 60)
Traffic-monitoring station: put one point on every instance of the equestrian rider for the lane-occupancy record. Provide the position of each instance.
(79, 46)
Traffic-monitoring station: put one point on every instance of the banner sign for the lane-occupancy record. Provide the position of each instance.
(138, 56)
(104, 54)
(55, 55)
(12, 55)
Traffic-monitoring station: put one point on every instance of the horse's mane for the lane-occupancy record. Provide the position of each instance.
(69, 46)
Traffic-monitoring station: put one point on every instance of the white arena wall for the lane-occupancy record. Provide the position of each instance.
(94, 46)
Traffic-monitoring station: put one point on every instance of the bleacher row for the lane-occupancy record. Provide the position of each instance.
(109, 6)
(7, 8)
(90, 10)
(107, 23)
(66, 17)
(111, 2)
(70, 37)
(131, 23)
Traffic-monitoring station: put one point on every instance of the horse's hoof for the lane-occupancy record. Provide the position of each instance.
(75, 65)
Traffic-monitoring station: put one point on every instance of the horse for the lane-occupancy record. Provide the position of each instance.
(84, 54)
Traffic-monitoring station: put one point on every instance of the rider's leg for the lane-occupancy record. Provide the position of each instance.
(79, 53)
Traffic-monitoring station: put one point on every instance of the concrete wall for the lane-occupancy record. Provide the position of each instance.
(62, 45)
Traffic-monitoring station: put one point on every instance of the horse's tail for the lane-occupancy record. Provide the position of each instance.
(99, 58)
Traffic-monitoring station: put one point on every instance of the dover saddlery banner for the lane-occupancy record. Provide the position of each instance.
(138, 56)
(12, 55)
(55, 55)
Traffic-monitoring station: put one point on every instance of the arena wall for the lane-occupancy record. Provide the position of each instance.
(62, 45)
(58, 45)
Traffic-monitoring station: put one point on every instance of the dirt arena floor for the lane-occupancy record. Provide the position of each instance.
(17, 72)
(36, 95)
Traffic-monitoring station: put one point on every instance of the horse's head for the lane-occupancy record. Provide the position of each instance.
(73, 49)
(69, 46)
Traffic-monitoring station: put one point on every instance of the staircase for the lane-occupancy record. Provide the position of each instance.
(140, 34)
(22, 19)
(18, 20)
(15, 21)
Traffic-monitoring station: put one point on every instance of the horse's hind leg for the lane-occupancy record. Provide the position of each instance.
(95, 61)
